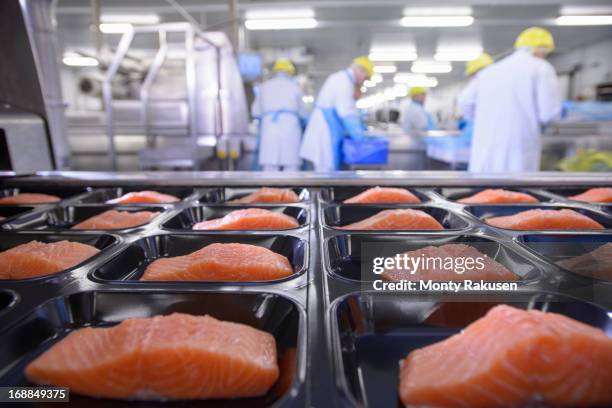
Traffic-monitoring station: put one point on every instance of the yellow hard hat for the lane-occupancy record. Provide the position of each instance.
(475, 65)
(535, 37)
(417, 90)
(366, 63)
(284, 65)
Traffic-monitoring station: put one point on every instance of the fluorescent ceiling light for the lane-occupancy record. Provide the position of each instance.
(115, 28)
(363, 89)
(376, 78)
(431, 67)
(280, 24)
(415, 80)
(400, 90)
(308, 99)
(265, 14)
(77, 60)
(437, 21)
(130, 18)
(369, 84)
(583, 20)
(438, 11)
(457, 55)
(388, 55)
(385, 69)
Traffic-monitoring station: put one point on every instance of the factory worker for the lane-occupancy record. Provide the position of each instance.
(511, 100)
(281, 111)
(334, 116)
(414, 118)
(472, 68)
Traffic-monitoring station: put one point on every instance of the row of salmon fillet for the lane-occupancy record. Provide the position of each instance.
(375, 195)
(508, 358)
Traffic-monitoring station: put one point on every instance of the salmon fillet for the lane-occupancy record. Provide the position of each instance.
(384, 195)
(144, 197)
(595, 195)
(221, 262)
(595, 264)
(403, 219)
(436, 257)
(178, 356)
(29, 198)
(498, 196)
(113, 219)
(512, 358)
(268, 195)
(249, 219)
(539, 219)
(38, 258)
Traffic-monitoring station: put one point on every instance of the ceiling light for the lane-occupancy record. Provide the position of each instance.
(400, 90)
(438, 11)
(376, 78)
(458, 55)
(584, 20)
(385, 69)
(280, 24)
(77, 60)
(130, 18)
(437, 21)
(431, 67)
(308, 99)
(115, 28)
(369, 84)
(415, 80)
(388, 55)
(255, 14)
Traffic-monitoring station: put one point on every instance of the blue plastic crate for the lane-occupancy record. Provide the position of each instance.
(370, 150)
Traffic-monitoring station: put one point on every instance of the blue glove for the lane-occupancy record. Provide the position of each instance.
(353, 126)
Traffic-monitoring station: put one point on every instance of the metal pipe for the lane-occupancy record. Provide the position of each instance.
(107, 93)
(233, 12)
(190, 77)
(96, 8)
(184, 13)
(158, 60)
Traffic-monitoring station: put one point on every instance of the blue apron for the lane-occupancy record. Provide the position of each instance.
(275, 114)
(336, 128)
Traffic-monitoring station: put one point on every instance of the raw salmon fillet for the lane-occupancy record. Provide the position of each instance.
(29, 198)
(221, 262)
(595, 195)
(539, 219)
(268, 195)
(512, 358)
(404, 219)
(595, 264)
(498, 196)
(249, 219)
(384, 195)
(144, 197)
(435, 258)
(39, 259)
(116, 220)
(178, 356)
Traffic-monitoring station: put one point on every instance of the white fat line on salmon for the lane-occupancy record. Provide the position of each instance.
(423, 262)
(429, 285)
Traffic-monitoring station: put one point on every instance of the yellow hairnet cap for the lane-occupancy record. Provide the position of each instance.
(475, 65)
(284, 65)
(535, 37)
(417, 90)
(366, 63)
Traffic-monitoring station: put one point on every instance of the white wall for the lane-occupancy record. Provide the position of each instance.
(596, 66)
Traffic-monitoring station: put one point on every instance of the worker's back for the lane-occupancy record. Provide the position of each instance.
(279, 93)
(514, 98)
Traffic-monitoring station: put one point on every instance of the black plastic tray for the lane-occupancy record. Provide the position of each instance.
(66, 193)
(223, 195)
(55, 318)
(372, 333)
(457, 193)
(61, 218)
(188, 217)
(132, 261)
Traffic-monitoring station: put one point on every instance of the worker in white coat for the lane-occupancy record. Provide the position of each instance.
(413, 115)
(281, 112)
(335, 115)
(511, 101)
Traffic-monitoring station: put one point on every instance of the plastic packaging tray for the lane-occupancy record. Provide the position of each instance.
(345, 341)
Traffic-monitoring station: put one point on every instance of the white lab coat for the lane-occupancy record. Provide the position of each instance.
(511, 100)
(279, 139)
(413, 117)
(337, 92)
